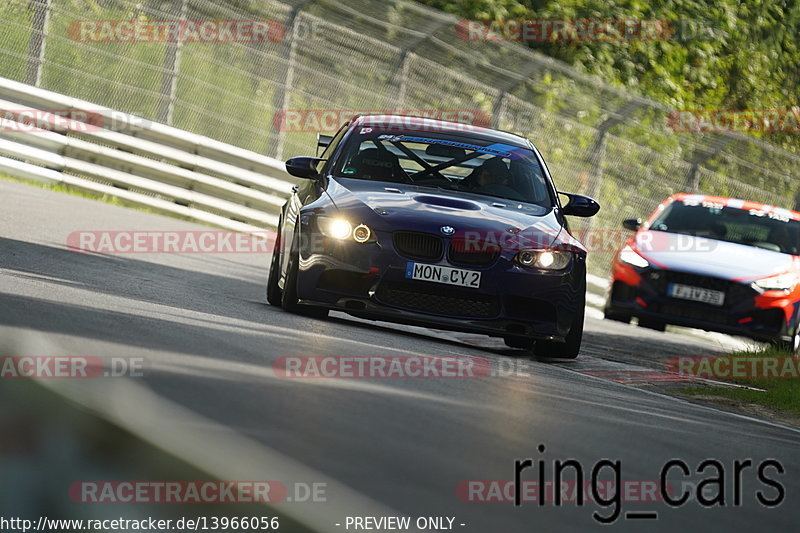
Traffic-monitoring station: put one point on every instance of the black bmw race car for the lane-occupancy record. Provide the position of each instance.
(437, 224)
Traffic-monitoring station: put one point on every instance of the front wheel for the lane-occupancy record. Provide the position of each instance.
(571, 346)
(617, 316)
(274, 293)
(289, 299)
(651, 323)
(791, 346)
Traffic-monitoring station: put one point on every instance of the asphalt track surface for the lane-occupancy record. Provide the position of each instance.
(209, 339)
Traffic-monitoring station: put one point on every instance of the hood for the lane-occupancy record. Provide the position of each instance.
(427, 209)
(709, 257)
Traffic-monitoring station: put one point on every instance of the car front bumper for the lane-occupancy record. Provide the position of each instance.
(369, 281)
(767, 316)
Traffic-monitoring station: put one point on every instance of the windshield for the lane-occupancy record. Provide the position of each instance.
(447, 162)
(765, 229)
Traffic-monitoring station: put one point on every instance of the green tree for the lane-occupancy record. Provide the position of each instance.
(723, 54)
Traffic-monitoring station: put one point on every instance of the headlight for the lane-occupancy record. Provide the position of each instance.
(338, 228)
(782, 282)
(546, 259)
(629, 255)
(341, 229)
(362, 233)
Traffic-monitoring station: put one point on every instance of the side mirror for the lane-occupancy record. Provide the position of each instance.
(632, 224)
(580, 206)
(303, 167)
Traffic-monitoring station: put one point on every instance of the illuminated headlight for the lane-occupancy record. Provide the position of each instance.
(362, 233)
(338, 228)
(782, 282)
(628, 255)
(546, 259)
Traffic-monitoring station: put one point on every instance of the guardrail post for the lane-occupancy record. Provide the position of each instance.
(498, 110)
(41, 16)
(596, 158)
(169, 79)
(401, 93)
(598, 152)
(692, 179)
(700, 156)
(402, 65)
(277, 140)
(499, 107)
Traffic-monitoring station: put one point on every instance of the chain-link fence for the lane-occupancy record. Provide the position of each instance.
(379, 55)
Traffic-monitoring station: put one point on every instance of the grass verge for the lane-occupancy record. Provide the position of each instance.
(777, 390)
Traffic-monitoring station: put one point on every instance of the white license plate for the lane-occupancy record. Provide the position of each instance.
(696, 294)
(443, 274)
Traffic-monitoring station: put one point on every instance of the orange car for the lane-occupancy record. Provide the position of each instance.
(713, 263)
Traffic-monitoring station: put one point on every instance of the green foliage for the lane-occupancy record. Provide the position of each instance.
(723, 54)
(779, 394)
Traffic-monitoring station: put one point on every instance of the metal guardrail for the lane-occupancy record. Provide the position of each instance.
(141, 161)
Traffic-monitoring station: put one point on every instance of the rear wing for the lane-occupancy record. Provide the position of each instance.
(323, 141)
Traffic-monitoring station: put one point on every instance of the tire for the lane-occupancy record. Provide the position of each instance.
(653, 324)
(289, 300)
(617, 316)
(571, 346)
(792, 346)
(274, 293)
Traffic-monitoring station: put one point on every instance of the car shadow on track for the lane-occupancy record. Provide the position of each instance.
(489, 346)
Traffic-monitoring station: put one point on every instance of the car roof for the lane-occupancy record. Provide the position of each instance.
(419, 125)
(734, 203)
